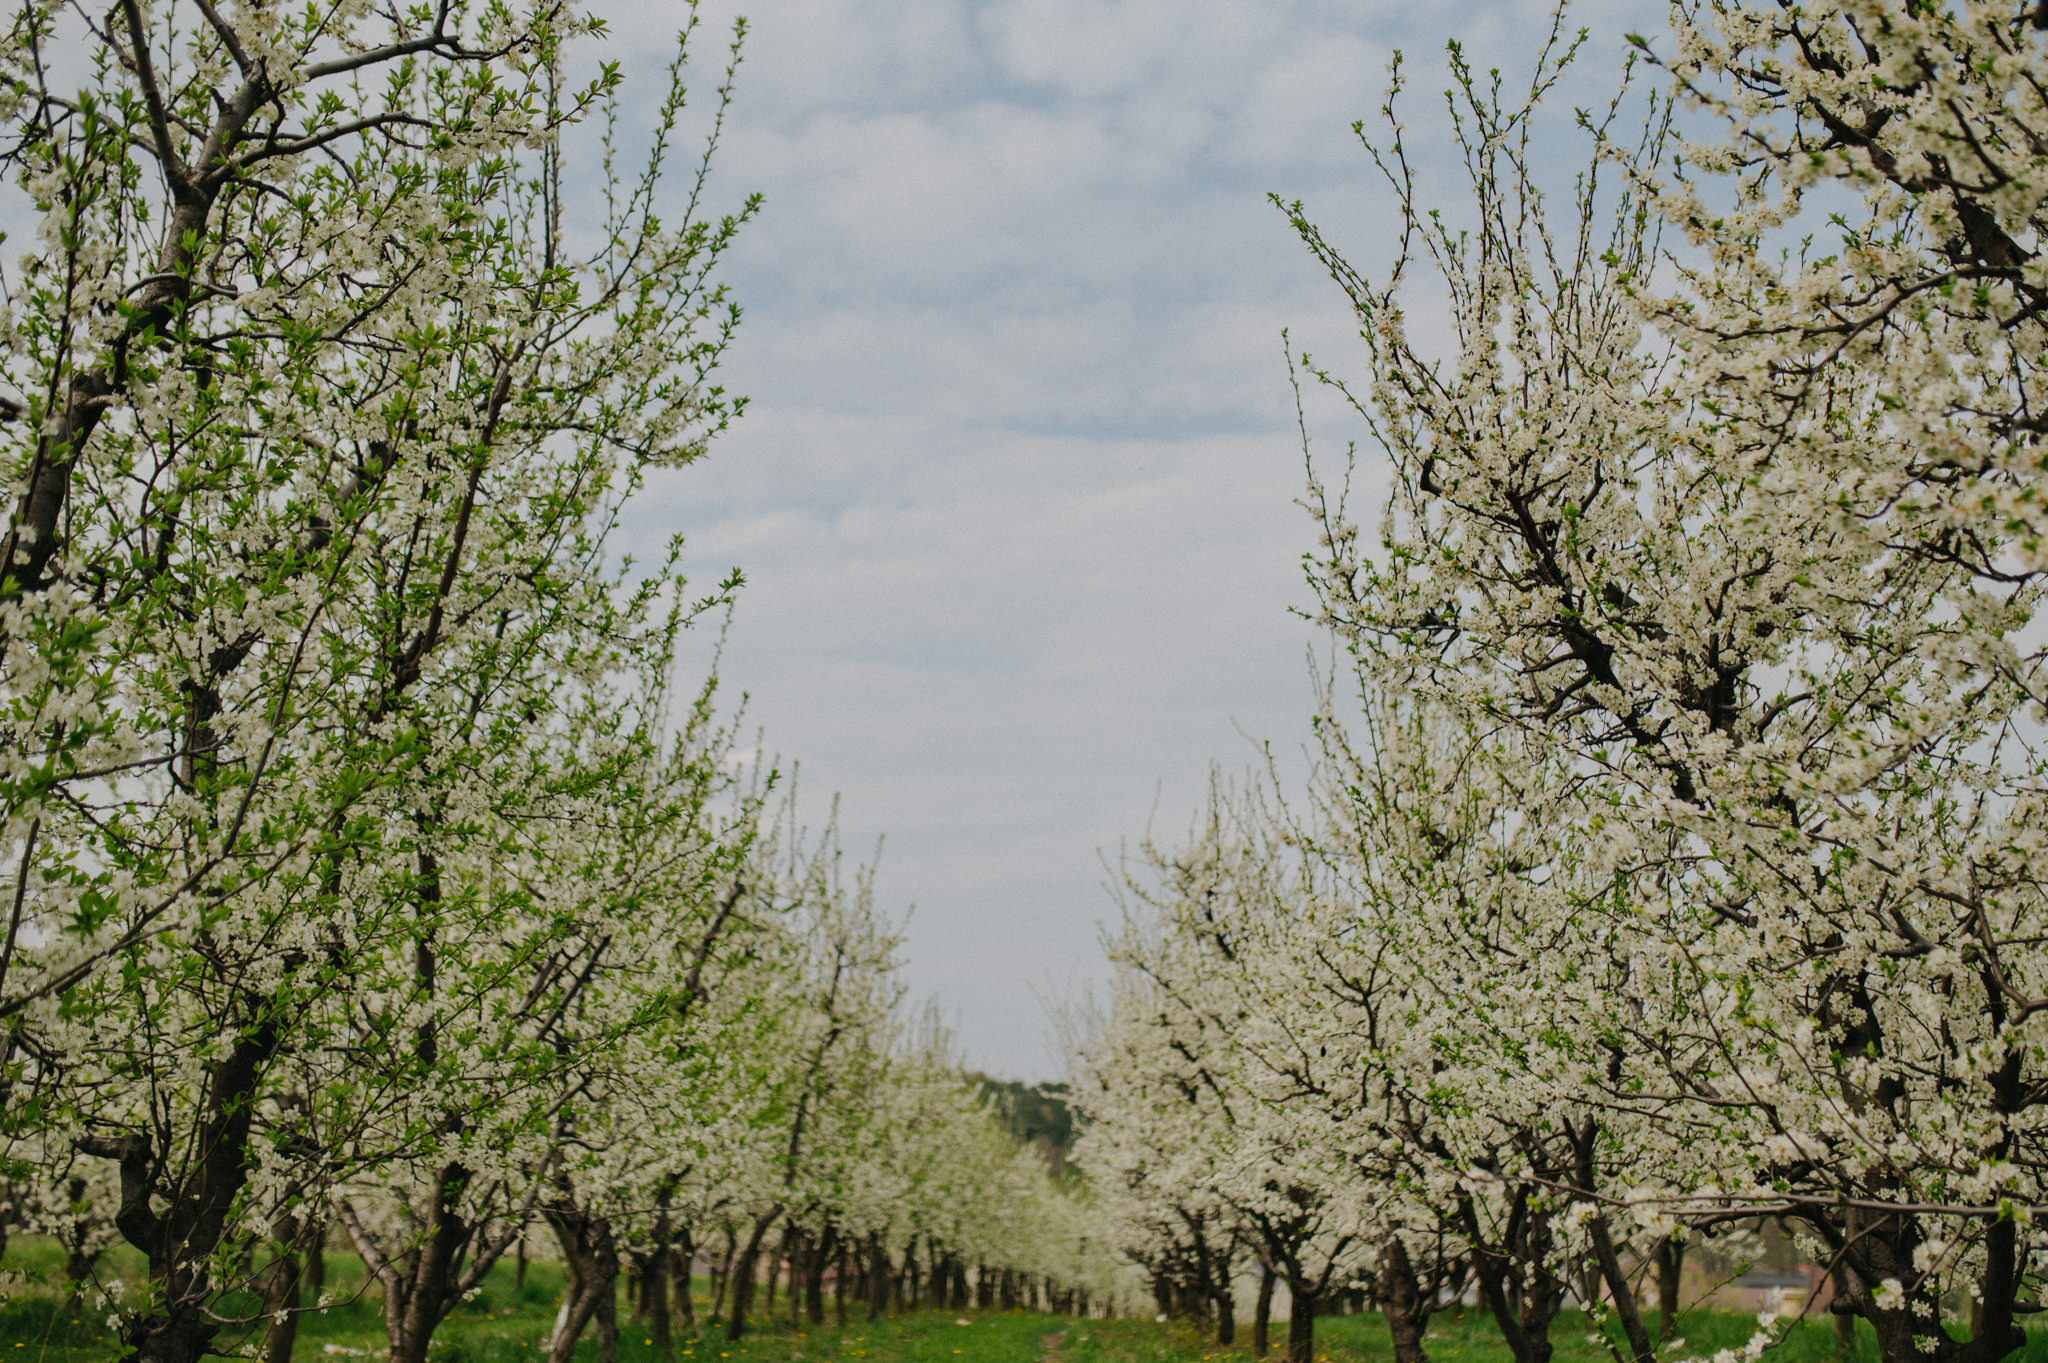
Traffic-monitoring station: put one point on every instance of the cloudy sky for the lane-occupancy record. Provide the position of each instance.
(1015, 496)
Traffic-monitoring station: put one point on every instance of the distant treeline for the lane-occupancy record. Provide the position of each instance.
(1037, 1115)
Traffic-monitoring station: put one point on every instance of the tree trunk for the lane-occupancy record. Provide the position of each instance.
(421, 1287)
(1842, 1303)
(180, 1241)
(282, 1289)
(592, 1257)
(839, 1281)
(878, 1277)
(1670, 1282)
(1909, 1330)
(78, 1261)
(1226, 1314)
(1521, 1309)
(1622, 1290)
(1301, 1322)
(821, 1251)
(1262, 1314)
(683, 1267)
(654, 1291)
(793, 1252)
(316, 1260)
(721, 1276)
(78, 1266)
(743, 1274)
(1406, 1305)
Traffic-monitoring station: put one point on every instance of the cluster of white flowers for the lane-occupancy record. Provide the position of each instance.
(1677, 856)
(368, 874)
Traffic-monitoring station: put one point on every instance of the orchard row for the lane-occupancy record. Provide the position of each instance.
(375, 872)
(1676, 854)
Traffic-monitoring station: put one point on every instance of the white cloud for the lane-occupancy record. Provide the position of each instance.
(1015, 497)
(1299, 106)
(1095, 49)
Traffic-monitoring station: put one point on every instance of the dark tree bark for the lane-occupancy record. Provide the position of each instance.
(1301, 1321)
(78, 1266)
(878, 1278)
(280, 1291)
(425, 1284)
(283, 1287)
(1843, 1307)
(793, 1255)
(775, 1275)
(744, 1272)
(1621, 1289)
(1622, 1292)
(316, 1259)
(1406, 1305)
(1670, 1282)
(181, 1241)
(78, 1260)
(591, 1256)
(653, 1270)
(1873, 1248)
(660, 1327)
(822, 1250)
(1522, 1294)
(1262, 1314)
(683, 1267)
(721, 1275)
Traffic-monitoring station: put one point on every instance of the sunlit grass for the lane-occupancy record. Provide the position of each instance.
(508, 1322)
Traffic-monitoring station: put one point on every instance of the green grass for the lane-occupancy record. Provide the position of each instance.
(1459, 1336)
(1141, 1341)
(502, 1324)
(508, 1324)
(495, 1329)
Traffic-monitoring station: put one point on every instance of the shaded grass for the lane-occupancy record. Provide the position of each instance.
(33, 1330)
(509, 1323)
(1463, 1336)
(505, 1322)
(1140, 1341)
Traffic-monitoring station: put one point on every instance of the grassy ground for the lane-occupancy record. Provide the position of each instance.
(1457, 1336)
(508, 1324)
